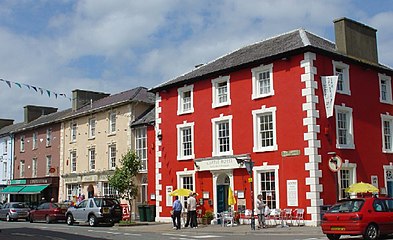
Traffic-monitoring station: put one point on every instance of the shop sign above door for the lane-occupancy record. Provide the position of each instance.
(208, 164)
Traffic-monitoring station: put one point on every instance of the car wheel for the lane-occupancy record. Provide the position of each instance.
(371, 233)
(8, 218)
(47, 219)
(31, 219)
(333, 236)
(70, 219)
(92, 220)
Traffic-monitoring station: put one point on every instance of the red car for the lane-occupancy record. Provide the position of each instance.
(48, 212)
(371, 217)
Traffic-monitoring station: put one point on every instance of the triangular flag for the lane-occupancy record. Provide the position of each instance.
(9, 83)
(41, 90)
(35, 88)
(28, 86)
(55, 95)
(48, 92)
(18, 84)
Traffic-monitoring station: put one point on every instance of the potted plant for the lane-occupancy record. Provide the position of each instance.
(207, 217)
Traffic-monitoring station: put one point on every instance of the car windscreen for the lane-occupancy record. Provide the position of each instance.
(347, 206)
(105, 202)
(19, 205)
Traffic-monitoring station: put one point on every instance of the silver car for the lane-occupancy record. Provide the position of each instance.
(14, 211)
(95, 210)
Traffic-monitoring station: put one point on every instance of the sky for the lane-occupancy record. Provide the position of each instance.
(113, 46)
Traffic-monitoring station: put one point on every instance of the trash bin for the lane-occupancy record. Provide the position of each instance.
(323, 209)
(150, 213)
(142, 213)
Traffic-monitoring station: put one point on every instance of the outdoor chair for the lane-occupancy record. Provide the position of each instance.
(287, 216)
(226, 218)
(299, 216)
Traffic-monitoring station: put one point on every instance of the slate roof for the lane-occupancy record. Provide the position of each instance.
(139, 94)
(277, 47)
(10, 128)
(44, 120)
(148, 117)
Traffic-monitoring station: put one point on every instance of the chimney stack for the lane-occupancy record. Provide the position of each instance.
(356, 40)
(6, 122)
(34, 112)
(81, 98)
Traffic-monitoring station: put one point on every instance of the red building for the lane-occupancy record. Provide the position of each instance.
(265, 103)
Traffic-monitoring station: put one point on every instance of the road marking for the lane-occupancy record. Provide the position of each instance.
(184, 236)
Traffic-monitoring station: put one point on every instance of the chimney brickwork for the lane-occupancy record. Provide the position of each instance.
(356, 40)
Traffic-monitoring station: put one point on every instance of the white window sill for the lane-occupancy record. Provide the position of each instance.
(386, 102)
(186, 112)
(349, 146)
(222, 154)
(217, 105)
(183, 158)
(257, 96)
(265, 149)
(344, 92)
(387, 151)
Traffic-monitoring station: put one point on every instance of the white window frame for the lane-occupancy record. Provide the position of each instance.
(73, 161)
(180, 100)
(34, 167)
(112, 156)
(141, 146)
(35, 140)
(112, 122)
(108, 190)
(180, 175)
(387, 118)
(388, 85)
(255, 81)
(73, 131)
(349, 122)
(92, 158)
(5, 170)
(92, 127)
(352, 168)
(22, 143)
(73, 190)
(48, 137)
(388, 176)
(346, 82)
(257, 173)
(256, 114)
(5, 146)
(215, 122)
(22, 169)
(216, 94)
(143, 189)
(180, 143)
(48, 164)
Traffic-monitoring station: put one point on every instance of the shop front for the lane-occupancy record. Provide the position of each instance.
(32, 190)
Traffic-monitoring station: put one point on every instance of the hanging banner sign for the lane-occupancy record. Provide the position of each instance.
(329, 88)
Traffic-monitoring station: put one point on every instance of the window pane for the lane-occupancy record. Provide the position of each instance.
(268, 188)
(264, 82)
(223, 137)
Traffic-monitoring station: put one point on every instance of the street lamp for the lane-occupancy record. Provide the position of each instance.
(249, 166)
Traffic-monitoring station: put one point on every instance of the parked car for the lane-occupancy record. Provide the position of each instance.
(371, 217)
(48, 212)
(14, 211)
(94, 211)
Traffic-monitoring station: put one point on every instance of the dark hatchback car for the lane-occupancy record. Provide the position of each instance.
(14, 211)
(95, 210)
(371, 217)
(48, 212)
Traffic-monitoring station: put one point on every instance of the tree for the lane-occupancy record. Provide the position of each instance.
(123, 180)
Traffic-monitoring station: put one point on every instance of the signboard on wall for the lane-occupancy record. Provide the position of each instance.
(168, 190)
(292, 193)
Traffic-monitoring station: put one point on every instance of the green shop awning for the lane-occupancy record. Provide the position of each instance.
(33, 189)
(13, 189)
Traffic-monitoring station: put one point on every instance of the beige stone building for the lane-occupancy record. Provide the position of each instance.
(96, 136)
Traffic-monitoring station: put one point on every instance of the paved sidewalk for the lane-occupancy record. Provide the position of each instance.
(242, 229)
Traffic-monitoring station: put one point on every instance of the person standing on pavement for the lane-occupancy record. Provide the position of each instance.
(188, 212)
(191, 208)
(177, 208)
(260, 211)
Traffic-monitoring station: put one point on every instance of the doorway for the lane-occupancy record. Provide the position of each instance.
(223, 182)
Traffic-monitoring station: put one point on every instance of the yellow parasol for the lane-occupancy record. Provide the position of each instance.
(362, 187)
(181, 192)
(231, 197)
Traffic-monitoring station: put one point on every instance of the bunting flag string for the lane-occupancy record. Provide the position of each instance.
(29, 87)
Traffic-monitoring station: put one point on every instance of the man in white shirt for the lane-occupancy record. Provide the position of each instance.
(191, 208)
(261, 211)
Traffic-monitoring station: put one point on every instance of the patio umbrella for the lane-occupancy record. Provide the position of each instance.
(181, 192)
(362, 187)
(231, 197)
